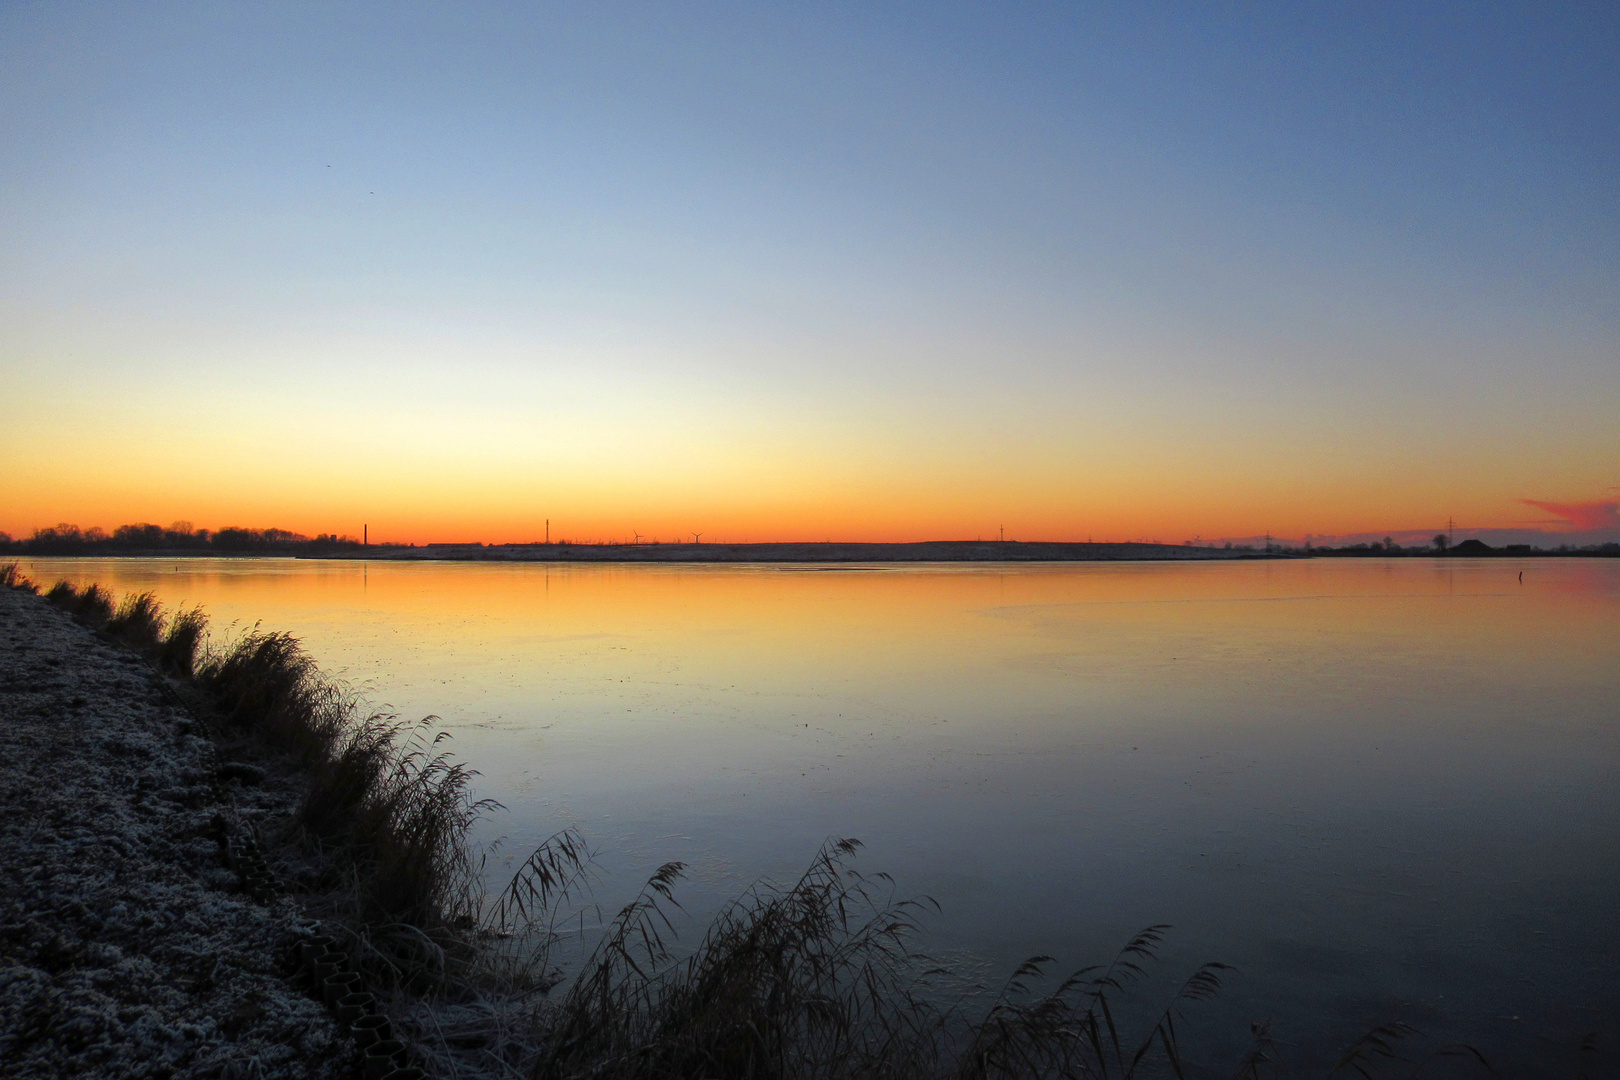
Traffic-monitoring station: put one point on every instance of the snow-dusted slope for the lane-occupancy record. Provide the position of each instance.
(124, 949)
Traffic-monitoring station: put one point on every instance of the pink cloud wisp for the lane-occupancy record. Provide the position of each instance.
(1582, 515)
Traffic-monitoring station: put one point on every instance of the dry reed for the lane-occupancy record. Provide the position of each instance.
(11, 577)
(93, 606)
(139, 622)
(177, 653)
(821, 980)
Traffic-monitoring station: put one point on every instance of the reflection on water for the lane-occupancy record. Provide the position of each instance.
(1384, 790)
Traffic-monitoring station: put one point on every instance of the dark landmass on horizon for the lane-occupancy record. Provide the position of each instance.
(927, 551)
(181, 541)
(808, 552)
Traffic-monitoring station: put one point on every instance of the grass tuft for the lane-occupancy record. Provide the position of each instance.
(266, 685)
(177, 653)
(139, 622)
(413, 826)
(398, 811)
(93, 606)
(11, 577)
(817, 979)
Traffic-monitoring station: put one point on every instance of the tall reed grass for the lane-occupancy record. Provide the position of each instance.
(820, 980)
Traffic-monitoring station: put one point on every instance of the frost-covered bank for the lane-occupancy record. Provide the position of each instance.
(124, 948)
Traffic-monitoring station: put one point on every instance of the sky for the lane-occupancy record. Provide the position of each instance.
(779, 271)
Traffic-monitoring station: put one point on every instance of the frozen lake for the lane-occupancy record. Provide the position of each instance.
(1383, 790)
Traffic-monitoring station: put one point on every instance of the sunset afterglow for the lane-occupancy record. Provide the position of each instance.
(829, 272)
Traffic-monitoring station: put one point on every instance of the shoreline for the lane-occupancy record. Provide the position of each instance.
(194, 859)
(128, 947)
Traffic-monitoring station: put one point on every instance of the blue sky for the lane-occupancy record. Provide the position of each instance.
(1141, 268)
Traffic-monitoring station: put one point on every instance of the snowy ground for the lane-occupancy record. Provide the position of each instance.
(125, 949)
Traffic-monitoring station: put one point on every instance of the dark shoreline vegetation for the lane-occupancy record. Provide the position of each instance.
(817, 979)
(180, 540)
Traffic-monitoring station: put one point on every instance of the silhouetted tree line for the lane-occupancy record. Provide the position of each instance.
(65, 539)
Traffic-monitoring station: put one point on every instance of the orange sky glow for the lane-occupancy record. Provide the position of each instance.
(810, 274)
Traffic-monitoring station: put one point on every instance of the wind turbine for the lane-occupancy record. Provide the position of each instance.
(697, 538)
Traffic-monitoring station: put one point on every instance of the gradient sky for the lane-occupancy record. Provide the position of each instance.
(781, 271)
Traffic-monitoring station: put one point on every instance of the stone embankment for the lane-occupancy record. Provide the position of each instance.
(129, 947)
